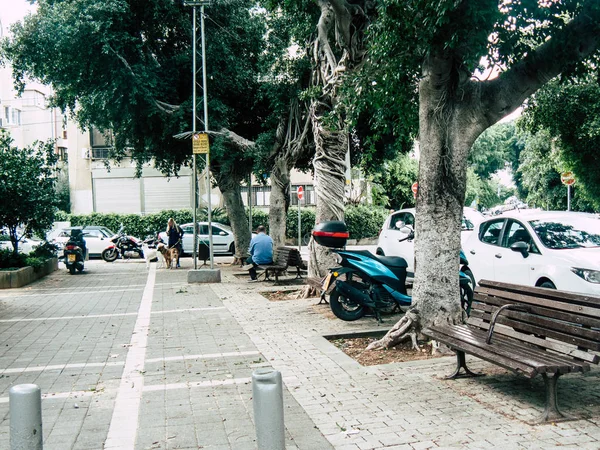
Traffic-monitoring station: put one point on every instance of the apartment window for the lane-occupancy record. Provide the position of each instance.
(34, 98)
(261, 195)
(100, 152)
(12, 116)
(64, 134)
(63, 154)
(99, 139)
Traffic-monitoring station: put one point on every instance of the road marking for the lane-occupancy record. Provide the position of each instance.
(60, 395)
(121, 363)
(96, 316)
(151, 388)
(124, 422)
(70, 293)
(190, 385)
(105, 287)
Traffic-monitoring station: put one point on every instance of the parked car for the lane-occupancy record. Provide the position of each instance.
(26, 245)
(223, 239)
(97, 238)
(553, 249)
(396, 228)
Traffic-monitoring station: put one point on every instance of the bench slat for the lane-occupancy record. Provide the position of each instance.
(552, 362)
(440, 334)
(560, 315)
(545, 322)
(552, 303)
(561, 296)
(543, 361)
(553, 345)
(522, 326)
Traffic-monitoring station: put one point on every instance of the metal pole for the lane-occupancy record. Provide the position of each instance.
(210, 236)
(250, 203)
(267, 400)
(194, 183)
(569, 197)
(299, 228)
(25, 404)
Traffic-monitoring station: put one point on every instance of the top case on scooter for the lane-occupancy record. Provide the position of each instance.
(332, 234)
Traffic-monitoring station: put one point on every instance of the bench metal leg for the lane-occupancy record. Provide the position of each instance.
(551, 412)
(461, 363)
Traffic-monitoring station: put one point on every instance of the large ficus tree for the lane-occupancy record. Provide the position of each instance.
(125, 67)
(439, 48)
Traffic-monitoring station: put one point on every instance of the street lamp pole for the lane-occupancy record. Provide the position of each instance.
(194, 4)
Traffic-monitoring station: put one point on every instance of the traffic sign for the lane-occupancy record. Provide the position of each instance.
(415, 188)
(200, 143)
(300, 192)
(567, 178)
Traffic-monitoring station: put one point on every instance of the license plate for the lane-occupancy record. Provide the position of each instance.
(72, 258)
(328, 281)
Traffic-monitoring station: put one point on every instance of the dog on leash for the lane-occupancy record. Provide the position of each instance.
(169, 255)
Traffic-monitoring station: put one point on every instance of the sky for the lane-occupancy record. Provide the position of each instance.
(13, 10)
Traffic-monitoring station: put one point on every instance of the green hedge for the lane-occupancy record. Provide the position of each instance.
(363, 221)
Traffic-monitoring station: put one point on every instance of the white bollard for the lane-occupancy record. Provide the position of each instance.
(25, 404)
(267, 399)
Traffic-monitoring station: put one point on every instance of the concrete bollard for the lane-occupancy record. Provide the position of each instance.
(25, 404)
(267, 399)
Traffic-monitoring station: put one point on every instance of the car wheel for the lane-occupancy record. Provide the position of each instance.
(232, 248)
(548, 285)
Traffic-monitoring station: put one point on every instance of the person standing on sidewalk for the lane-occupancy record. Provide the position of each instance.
(175, 235)
(261, 252)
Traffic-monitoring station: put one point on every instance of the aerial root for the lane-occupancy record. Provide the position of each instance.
(401, 331)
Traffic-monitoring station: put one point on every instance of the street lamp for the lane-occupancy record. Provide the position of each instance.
(194, 4)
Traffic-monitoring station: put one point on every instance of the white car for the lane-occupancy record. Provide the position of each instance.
(97, 238)
(396, 227)
(223, 239)
(553, 249)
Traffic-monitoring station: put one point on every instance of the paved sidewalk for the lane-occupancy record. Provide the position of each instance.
(129, 358)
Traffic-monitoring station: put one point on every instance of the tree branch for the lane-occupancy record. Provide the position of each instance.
(575, 42)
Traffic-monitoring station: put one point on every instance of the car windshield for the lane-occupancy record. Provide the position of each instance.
(570, 232)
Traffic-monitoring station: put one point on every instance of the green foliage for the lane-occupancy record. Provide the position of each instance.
(394, 180)
(540, 167)
(568, 114)
(307, 222)
(12, 260)
(63, 193)
(365, 221)
(496, 146)
(27, 188)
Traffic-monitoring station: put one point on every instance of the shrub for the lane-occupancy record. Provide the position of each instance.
(10, 260)
(307, 222)
(365, 221)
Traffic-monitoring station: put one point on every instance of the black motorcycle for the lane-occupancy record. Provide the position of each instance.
(123, 246)
(75, 251)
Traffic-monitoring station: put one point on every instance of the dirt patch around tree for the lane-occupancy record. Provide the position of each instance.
(356, 349)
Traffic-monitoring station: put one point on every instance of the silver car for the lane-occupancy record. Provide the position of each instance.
(223, 239)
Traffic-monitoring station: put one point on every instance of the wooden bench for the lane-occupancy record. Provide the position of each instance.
(528, 330)
(283, 257)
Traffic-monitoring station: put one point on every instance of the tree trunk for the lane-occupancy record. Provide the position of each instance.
(280, 200)
(232, 195)
(329, 165)
(447, 129)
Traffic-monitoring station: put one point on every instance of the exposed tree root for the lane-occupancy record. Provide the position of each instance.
(309, 292)
(404, 329)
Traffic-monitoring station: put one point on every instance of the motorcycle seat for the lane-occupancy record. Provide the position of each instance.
(388, 261)
(392, 261)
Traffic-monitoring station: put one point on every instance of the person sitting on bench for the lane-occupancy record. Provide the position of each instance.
(261, 252)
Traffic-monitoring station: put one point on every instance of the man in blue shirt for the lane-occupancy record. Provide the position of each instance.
(261, 252)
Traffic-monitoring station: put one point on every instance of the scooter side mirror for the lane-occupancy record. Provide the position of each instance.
(521, 247)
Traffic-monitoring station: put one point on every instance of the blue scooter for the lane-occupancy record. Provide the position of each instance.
(371, 282)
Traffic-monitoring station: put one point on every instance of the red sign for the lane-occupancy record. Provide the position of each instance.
(567, 178)
(300, 192)
(415, 188)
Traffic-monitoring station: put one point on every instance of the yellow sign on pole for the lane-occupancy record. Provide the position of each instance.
(200, 143)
